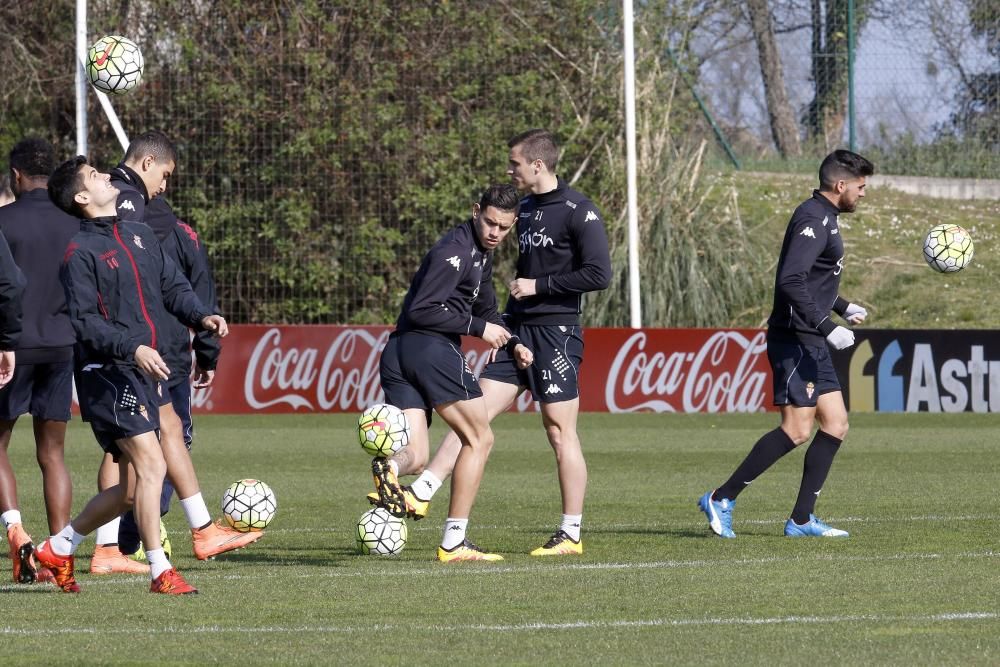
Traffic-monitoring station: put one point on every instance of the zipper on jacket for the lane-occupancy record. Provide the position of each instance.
(138, 285)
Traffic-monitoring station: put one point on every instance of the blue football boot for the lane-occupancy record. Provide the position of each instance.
(813, 528)
(719, 513)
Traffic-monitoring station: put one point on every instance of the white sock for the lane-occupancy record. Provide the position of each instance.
(10, 517)
(426, 485)
(108, 533)
(454, 532)
(571, 525)
(394, 464)
(65, 542)
(158, 563)
(196, 511)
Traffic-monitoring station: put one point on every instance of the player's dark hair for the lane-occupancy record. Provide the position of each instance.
(65, 182)
(32, 157)
(153, 143)
(503, 196)
(537, 145)
(841, 165)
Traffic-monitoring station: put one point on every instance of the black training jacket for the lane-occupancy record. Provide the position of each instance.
(452, 292)
(37, 232)
(562, 244)
(808, 276)
(119, 285)
(12, 284)
(181, 243)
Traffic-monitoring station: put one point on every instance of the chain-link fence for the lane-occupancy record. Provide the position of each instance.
(324, 145)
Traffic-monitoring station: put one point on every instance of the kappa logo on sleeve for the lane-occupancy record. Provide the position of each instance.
(127, 205)
(591, 215)
(454, 261)
(808, 231)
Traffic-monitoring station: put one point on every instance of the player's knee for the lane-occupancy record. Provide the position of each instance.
(837, 429)
(798, 434)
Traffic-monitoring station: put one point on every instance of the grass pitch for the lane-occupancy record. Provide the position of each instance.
(916, 583)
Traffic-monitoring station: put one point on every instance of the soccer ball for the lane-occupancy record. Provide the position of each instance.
(114, 64)
(948, 248)
(383, 430)
(381, 533)
(249, 505)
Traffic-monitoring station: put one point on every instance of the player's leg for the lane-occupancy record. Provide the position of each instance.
(560, 421)
(794, 375)
(50, 442)
(108, 557)
(832, 416)
(208, 539)
(470, 421)
(21, 545)
(150, 467)
(51, 399)
(498, 396)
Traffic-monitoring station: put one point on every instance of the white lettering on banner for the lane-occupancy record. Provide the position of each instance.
(338, 382)
(700, 376)
(341, 382)
(959, 385)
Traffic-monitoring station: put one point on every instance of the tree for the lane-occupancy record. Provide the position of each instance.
(784, 129)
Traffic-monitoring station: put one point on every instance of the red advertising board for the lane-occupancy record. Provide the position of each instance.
(335, 369)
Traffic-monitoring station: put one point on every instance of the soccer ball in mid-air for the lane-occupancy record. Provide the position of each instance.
(114, 64)
(948, 248)
(249, 505)
(381, 533)
(383, 430)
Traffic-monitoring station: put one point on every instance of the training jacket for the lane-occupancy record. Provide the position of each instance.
(12, 285)
(452, 292)
(562, 244)
(181, 243)
(119, 285)
(808, 276)
(37, 232)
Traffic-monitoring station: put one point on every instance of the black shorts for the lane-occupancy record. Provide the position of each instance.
(422, 371)
(554, 375)
(44, 390)
(802, 373)
(119, 402)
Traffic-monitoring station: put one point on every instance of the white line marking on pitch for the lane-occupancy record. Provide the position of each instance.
(950, 617)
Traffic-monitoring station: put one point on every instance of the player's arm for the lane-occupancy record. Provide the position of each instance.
(88, 312)
(428, 308)
(178, 296)
(485, 307)
(131, 207)
(205, 344)
(12, 284)
(590, 246)
(792, 280)
(851, 312)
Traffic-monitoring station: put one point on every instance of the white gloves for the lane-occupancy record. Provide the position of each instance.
(855, 314)
(841, 338)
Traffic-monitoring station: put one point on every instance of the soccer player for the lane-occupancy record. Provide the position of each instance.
(562, 254)
(38, 233)
(799, 332)
(422, 365)
(141, 178)
(182, 244)
(118, 285)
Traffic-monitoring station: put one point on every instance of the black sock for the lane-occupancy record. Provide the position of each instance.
(817, 464)
(771, 447)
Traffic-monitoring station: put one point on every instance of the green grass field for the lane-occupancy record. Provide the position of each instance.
(916, 583)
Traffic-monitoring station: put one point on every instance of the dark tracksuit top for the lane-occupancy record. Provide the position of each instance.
(808, 276)
(181, 243)
(119, 284)
(38, 232)
(12, 285)
(563, 245)
(452, 292)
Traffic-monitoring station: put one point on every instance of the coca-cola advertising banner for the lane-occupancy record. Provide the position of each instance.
(335, 369)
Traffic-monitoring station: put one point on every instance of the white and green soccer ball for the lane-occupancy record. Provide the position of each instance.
(383, 430)
(381, 533)
(114, 64)
(948, 248)
(249, 505)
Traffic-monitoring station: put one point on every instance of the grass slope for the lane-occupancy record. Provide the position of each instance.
(916, 583)
(884, 265)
